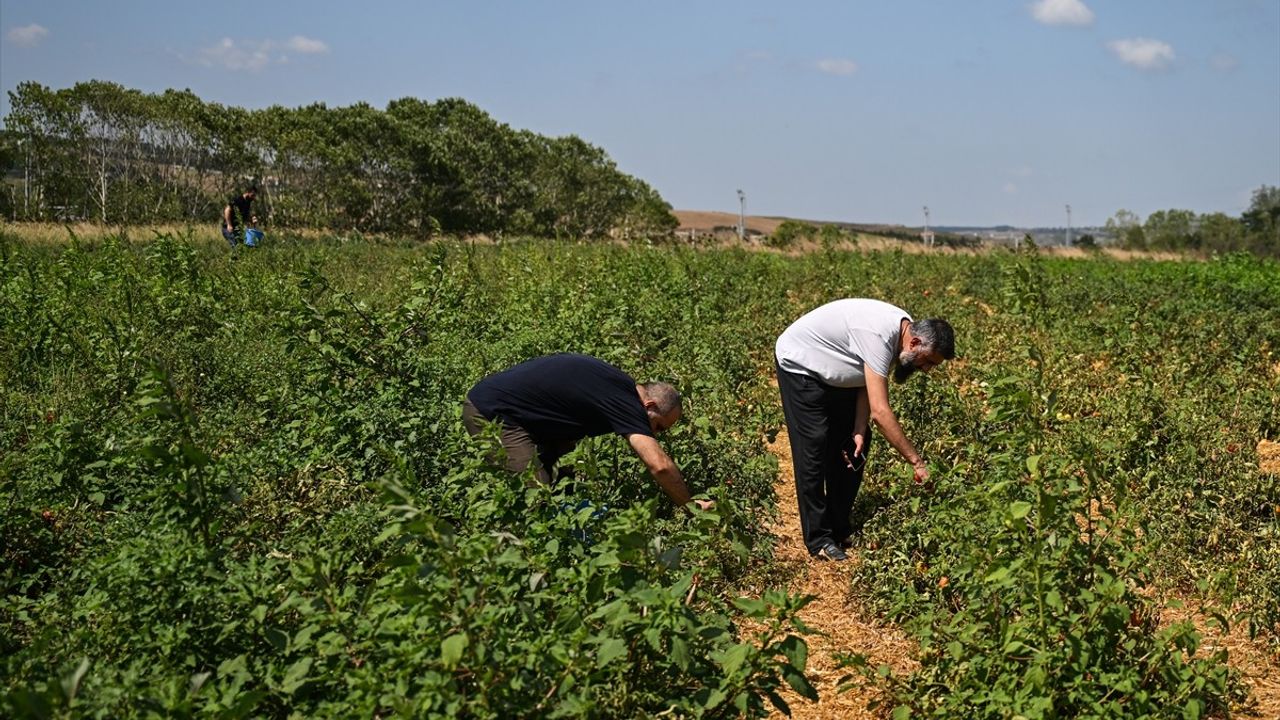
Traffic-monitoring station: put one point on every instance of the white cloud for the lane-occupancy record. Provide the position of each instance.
(1010, 189)
(232, 56)
(28, 35)
(1223, 62)
(1062, 12)
(837, 66)
(256, 55)
(306, 45)
(1143, 53)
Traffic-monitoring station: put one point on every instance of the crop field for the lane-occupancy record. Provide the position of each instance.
(236, 484)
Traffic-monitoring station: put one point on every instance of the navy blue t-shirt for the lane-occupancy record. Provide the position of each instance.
(240, 210)
(563, 397)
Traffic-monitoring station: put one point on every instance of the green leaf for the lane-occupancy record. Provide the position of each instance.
(296, 675)
(751, 607)
(1192, 710)
(277, 639)
(1033, 464)
(611, 649)
(711, 698)
(71, 681)
(244, 704)
(799, 683)
(734, 657)
(680, 653)
(451, 649)
(902, 712)
(796, 651)
(197, 681)
(1019, 509)
(779, 703)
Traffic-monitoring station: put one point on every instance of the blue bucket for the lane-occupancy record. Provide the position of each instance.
(252, 236)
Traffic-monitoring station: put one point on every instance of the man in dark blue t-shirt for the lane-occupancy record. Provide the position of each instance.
(546, 405)
(237, 214)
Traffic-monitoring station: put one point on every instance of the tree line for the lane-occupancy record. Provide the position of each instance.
(99, 151)
(1257, 230)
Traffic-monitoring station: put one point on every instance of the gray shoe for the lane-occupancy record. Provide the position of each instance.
(830, 551)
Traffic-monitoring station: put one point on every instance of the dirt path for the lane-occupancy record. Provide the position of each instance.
(1259, 671)
(846, 628)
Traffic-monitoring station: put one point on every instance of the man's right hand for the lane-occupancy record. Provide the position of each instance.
(707, 505)
(921, 472)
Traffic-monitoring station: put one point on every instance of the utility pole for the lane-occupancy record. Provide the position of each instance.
(1068, 224)
(927, 235)
(742, 215)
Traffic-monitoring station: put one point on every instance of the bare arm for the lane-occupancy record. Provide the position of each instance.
(861, 414)
(661, 467)
(882, 415)
(226, 217)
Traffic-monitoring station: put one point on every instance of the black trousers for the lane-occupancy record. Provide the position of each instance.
(820, 425)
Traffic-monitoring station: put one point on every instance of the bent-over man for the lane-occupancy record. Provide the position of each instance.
(236, 215)
(546, 405)
(833, 367)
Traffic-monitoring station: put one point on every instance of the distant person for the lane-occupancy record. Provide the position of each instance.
(547, 404)
(833, 367)
(252, 235)
(236, 215)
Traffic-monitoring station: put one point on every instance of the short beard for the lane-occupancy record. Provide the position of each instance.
(905, 368)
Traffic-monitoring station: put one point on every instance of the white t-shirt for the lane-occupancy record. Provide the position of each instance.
(835, 342)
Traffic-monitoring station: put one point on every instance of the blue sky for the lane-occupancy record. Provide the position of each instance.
(987, 111)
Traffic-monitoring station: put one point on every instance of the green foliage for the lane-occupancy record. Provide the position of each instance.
(1043, 613)
(239, 486)
(1256, 231)
(828, 235)
(102, 152)
(1087, 469)
(1126, 228)
(789, 232)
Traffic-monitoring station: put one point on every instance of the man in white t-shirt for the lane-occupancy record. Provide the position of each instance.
(833, 370)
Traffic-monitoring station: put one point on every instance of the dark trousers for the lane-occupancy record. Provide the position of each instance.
(820, 425)
(521, 449)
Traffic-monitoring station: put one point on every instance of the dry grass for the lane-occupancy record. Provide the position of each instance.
(705, 221)
(55, 233)
(1259, 670)
(1269, 461)
(702, 221)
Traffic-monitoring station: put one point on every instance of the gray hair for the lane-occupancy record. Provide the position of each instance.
(937, 335)
(666, 396)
